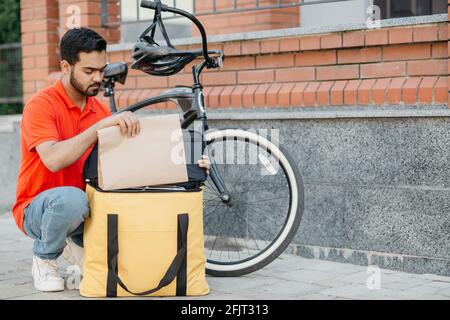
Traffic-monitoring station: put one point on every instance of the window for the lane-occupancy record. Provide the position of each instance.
(408, 8)
(134, 19)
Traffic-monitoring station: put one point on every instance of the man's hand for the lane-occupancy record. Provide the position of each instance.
(57, 155)
(128, 122)
(204, 163)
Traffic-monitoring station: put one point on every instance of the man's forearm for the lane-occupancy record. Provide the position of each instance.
(58, 155)
(64, 153)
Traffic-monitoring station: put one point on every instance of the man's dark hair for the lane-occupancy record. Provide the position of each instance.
(79, 40)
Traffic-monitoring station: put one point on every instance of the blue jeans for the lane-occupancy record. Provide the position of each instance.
(54, 215)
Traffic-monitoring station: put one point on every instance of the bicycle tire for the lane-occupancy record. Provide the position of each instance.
(290, 228)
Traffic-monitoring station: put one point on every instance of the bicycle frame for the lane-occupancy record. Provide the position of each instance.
(190, 99)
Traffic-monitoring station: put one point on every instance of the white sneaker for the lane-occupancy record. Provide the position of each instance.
(46, 275)
(73, 254)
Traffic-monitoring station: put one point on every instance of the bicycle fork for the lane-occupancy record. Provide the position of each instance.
(224, 194)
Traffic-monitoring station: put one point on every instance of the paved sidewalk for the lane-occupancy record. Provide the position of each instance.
(289, 277)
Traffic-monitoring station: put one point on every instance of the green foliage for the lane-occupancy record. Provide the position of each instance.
(11, 108)
(9, 21)
(9, 32)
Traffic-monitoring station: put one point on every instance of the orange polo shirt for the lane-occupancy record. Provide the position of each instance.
(50, 115)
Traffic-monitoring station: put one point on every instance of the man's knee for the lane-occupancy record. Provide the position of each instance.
(72, 202)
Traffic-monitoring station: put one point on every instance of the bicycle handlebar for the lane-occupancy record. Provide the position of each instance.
(152, 5)
(210, 62)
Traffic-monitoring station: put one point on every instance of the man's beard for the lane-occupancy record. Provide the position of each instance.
(89, 92)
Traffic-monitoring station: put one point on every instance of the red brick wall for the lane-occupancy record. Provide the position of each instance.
(42, 24)
(245, 21)
(399, 65)
(39, 27)
(90, 11)
(402, 65)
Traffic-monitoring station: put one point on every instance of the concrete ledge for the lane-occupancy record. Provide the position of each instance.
(330, 113)
(349, 112)
(291, 32)
(11, 122)
(8, 123)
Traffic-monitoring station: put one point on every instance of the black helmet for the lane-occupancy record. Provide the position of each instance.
(159, 60)
(150, 57)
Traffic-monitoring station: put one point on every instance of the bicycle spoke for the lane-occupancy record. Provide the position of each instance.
(208, 184)
(250, 233)
(213, 205)
(239, 181)
(212, 197)
(264, 200)
(220, 256)
(265, 230)
(212, 248)
(236, 242)
(212, 200)
(210, 204)
(210, 212)
(260, 189)
(264, 208)
(211, 193)
(229, 257)
(214, 190)
(269, 213)
(254, 239)
(206, 215)
(245, 240)
(237, 248)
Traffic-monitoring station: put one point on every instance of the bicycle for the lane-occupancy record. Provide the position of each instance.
(252, 208)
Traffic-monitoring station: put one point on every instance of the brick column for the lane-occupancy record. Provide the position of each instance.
(39, 28)
(43, 22)
(276, 18)
(88, 13)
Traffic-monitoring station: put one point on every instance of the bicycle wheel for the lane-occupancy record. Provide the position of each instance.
(264, 211)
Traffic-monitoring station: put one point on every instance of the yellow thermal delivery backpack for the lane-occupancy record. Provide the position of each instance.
(146, 243)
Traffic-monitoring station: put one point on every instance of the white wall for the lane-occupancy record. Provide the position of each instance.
(328, 14)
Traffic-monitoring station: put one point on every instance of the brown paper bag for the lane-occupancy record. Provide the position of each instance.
(153, 157)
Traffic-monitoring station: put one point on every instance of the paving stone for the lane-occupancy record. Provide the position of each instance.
(359, 292)
(294, 290)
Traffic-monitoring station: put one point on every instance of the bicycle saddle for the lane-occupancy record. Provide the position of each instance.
(117, 71)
